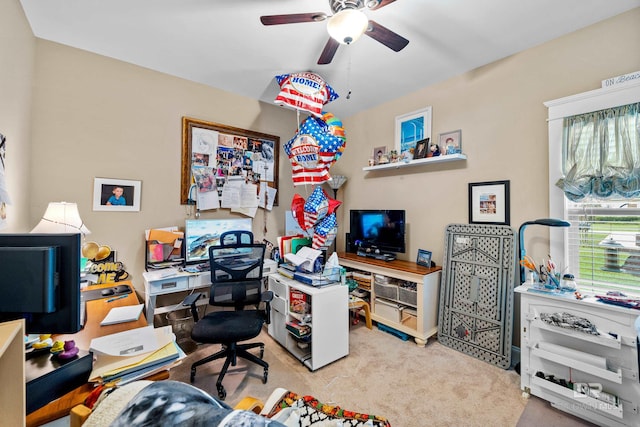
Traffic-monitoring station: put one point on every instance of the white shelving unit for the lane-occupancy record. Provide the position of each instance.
(418, 162)
(424, 301)
(608, 360)
(329, 321)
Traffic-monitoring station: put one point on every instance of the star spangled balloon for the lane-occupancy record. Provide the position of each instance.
(312, 151)
(315, 208)
(297, 210)
(325, 232)
(305, 92)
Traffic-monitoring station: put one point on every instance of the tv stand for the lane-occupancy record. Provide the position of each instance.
(383, 256)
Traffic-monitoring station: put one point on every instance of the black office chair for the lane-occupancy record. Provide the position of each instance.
(234, 237)
(236, 281)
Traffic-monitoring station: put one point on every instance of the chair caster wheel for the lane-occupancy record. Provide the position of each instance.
(222, 393)
(193, 374)
(264, 376)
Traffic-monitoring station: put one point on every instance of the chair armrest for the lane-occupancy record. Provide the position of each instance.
(267, 297)
(191, 300)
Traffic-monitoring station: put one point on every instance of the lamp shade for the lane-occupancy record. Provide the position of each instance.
(61, 217)
(347, 25)
(336, 181)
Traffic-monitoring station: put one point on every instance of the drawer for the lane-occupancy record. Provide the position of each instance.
(279, 304)
(169, 285)
(277, 287)
(389, 310)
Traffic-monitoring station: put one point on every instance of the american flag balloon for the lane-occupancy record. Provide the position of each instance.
(325, 232)
(315, 208)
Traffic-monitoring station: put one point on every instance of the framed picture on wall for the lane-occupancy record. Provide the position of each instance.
(411, 128)
(489, 202)
(111, 194)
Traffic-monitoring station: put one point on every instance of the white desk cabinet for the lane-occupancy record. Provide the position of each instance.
(328, 321)
(413, 312)
(608, 361)
(156, 283)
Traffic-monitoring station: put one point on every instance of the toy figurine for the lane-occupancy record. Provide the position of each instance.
(435, 150)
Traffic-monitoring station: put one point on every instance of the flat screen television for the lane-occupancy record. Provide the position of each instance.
(199, 234)
(40, 281)
(378, 229)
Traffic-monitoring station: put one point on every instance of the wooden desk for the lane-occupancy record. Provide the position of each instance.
(96, 311)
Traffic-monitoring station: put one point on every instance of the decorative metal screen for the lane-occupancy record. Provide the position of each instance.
(476, 293)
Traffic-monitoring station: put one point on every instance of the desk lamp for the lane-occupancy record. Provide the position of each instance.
(549, 222)
(61, 217)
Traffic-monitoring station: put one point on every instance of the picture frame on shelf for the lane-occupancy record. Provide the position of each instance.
(411, 128)
(489, 203)
(451, 142)
(421, 149)
(424, 258)
(380, 156)
(124, 191)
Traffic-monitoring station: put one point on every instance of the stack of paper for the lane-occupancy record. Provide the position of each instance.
(134, 354)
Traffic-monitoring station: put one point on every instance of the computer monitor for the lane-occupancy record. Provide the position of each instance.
(199, 234)
(40, 281)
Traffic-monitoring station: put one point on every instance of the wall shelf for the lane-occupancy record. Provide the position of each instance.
(418, 162)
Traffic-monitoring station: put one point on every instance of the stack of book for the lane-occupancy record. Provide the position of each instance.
(298, 329)
(134, 354)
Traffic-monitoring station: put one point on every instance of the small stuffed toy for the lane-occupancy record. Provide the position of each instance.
(435, 150)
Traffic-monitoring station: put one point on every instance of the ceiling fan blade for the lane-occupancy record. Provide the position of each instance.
(328, 52)
(385, 36)
(293, 18)
(382, 3)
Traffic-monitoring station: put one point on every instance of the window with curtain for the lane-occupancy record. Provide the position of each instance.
(601, 183)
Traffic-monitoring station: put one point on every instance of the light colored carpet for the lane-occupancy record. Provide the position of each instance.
(383, 375)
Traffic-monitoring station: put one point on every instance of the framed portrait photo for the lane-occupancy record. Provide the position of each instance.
(411, 128)
(424, 258)
(451, 142)
(489, 202)
(111, 194)
(380, 155)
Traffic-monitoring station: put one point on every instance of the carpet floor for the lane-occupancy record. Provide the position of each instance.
(383, 375)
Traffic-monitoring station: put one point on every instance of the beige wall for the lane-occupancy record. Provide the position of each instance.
(499, 108)
(97, 117)
(17, 53)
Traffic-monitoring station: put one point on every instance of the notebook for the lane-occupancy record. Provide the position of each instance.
(127, 313)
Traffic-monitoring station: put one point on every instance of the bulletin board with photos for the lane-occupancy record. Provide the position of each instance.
(213, 153)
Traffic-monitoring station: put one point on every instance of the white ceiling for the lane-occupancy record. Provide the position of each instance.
(221, 43)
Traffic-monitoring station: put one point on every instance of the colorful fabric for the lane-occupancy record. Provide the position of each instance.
(312, 412)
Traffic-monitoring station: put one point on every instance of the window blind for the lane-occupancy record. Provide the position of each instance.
(604, 244)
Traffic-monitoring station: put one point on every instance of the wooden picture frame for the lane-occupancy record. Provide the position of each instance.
(421, 149)
(450, 142)
(227, 151)
(411, 128)
(424, 258)
(125, 191)
(489, 203)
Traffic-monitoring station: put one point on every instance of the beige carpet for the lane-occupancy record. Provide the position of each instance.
(383, 375)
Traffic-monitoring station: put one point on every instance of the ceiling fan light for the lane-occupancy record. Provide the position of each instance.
(347, 25)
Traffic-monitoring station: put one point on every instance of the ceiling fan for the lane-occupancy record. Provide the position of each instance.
(345, 25)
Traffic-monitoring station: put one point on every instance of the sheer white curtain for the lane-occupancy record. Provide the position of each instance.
(601, 154)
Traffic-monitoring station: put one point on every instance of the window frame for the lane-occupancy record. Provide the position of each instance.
(558, 109)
